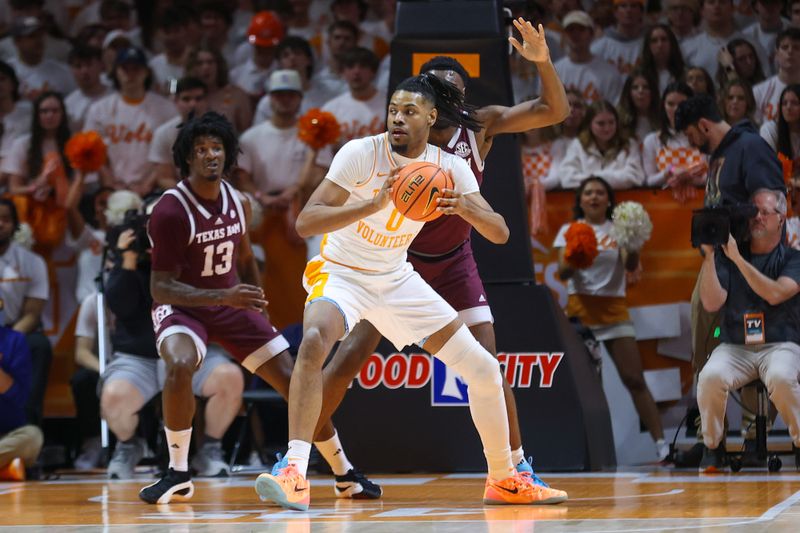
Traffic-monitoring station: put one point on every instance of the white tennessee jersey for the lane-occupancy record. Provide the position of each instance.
(378, 243)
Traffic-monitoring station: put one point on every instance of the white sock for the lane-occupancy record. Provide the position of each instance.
(178, 445)
(517, 456)
(334, 455)
(487, 403)
(297, 455)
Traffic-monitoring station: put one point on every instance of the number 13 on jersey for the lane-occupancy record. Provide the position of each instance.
(218, 259)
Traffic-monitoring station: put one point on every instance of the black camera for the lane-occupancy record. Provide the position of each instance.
(712, 225)
(135, 221)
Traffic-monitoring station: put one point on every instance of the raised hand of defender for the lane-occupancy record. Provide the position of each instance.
(384, 195)
(244, 296)
(534, 47)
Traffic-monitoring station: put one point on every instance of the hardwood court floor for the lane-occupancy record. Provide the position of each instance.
(649, 500)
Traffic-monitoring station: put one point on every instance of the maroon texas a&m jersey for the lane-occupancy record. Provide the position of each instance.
(197, 237)
(449, 231)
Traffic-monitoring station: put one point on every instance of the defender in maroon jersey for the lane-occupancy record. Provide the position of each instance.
(204, 284)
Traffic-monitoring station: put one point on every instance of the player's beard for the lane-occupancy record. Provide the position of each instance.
(401, 149)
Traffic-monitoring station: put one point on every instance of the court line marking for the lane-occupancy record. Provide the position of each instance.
(767, 516)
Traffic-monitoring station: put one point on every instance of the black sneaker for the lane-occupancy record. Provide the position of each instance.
(714, 461)
(174, 486)
(355, 485)
(689, 458)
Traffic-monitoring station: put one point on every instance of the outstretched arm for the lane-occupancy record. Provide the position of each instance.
(551, 107)
(166, 289)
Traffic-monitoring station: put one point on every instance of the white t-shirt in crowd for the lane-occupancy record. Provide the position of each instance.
(767, 95)
(48, 75)
(127, 130)
(357, 118)
(251, 78)
(274, 157)
(769, 132)
(766, 40)
(606, 275)
(702, 50)
(23, 274)
(86, 326)
(78, 103)
(622, 54)
(16, 124)
(378, 243)
(165, 74)
(595, 80)
(16, 160)
(160, 151)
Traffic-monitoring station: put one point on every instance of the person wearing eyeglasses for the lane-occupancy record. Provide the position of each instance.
(756, 293)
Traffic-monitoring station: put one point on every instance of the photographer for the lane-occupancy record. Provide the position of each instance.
(135, 374)
(740, 163)
(756, 296)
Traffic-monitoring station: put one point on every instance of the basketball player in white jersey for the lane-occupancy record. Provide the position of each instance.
(362, 273)
(442, 252)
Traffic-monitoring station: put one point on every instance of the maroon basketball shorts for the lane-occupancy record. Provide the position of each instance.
(246, 335)
(455, 277)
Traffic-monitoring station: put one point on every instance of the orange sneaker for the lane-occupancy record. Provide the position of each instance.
(285, 486)
(520, 490)
(13, 471)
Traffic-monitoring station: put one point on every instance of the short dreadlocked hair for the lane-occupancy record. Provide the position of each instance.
(211, 124)
(446, 63)
(446, 98)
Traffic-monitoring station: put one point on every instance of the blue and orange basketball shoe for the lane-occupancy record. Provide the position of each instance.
(285, 486)
(520, 489)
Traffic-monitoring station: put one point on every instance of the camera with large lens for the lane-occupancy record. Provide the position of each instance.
(712, 225)
(133, 220)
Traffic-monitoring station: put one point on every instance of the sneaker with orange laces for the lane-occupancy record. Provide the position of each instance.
(520, 489)
(13, 471)
(285, 486)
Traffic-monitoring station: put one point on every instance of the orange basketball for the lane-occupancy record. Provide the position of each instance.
(417, 187)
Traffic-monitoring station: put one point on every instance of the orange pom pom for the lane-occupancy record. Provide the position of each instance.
(318, 128)
(581, 245)
(86, 151)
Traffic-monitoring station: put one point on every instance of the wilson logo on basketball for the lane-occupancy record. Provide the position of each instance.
(414, 371)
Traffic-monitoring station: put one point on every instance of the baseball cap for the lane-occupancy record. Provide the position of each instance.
(25, 26)
(131, 54)
(114, 35)
(285, 80)
(265, 29)
(581, 18)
